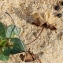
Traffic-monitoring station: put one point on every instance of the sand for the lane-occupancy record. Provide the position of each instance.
(49, 42)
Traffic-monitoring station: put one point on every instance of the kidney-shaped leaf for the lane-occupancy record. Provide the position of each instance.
(4, 54)
(12, 30)
(2, 31)
(19, 46)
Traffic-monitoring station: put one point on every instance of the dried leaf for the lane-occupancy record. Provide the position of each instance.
(28, 57)
(41, 22)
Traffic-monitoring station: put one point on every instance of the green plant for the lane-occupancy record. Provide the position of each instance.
(9, 44)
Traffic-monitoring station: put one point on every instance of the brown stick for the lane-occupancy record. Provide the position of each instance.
(36, 37)
(10, 17)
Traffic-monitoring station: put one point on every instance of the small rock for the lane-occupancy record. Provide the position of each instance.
(57, 7)
(59, 15)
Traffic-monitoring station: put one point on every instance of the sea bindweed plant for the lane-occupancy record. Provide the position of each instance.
(8, 43)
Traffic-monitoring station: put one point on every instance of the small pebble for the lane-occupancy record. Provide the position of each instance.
(57, 7)
(34, 2)
(59, 15)
(61, 3)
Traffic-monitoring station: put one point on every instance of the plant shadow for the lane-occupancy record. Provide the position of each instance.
(24, 13)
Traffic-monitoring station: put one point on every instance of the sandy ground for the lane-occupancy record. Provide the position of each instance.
(49, 42)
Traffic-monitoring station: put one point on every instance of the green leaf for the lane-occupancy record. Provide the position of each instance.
(16, 31)
(3, 57)
(12, 30)
(3, 42)
(2, 31)
(19, 46)
(9, 31)
(4, 54)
